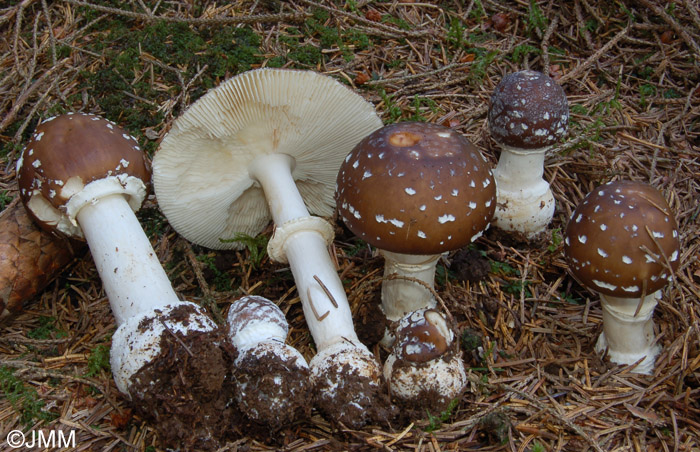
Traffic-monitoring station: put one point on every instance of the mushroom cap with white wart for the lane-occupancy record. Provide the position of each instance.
(200, 171)
(71, 160)
(425, 369)
(416, 188)
(273, 378)
(528, 110)
(622, 240)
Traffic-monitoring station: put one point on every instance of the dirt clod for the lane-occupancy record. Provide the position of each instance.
(187, 390)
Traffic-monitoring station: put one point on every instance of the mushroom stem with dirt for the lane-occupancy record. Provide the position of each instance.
(266, 145)
(273, 378)
(83, 176)
(527, 115)
(425, 370)
(414, 191)
(622, 242)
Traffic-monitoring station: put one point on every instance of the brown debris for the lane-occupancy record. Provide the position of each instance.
(29, 258)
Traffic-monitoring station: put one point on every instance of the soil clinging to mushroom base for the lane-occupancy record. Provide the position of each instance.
(187, 390)
(263, 378)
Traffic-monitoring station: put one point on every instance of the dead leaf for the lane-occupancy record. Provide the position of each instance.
(648, 416)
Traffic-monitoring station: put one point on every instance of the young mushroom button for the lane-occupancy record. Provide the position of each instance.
(528, 114)
(425, 371)
(622, 242)
(274, 386)
(266, 145)
(414, 191)
(82, 175)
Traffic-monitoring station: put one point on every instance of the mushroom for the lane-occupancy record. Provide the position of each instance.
(528, 114)
(30, 258)
(83, 176)
(414, 191)
(273, 378)
(264, 145)
(622, 242)
(425, 369)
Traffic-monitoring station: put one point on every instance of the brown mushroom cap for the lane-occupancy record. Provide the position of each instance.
(422, 336)
(622, 239)
(528, 110)
(68, 152)
(416, 188)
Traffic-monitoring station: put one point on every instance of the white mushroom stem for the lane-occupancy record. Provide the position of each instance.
(131, 273)
(139, 291)
(301, 239)
(626, 336)
(525, 201)
(400, 295)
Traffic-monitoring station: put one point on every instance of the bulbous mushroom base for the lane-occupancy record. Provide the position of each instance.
(348, 385)
(175, 366)
(525, 203)
(137, 342)
(628, 331)
(648, 356)
(273, 384)
(527, 211)
(428, 386)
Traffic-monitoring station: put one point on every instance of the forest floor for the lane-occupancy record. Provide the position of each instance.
(631, 72)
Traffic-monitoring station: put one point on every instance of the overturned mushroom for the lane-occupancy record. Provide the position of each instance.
(622, 242)
(528, 114)
(266, 145)
(414, 191)
(425, 370)
(84, 177)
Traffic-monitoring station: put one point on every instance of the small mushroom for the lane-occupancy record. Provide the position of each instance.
(425, 370)
(266, 145)
(273, 378)
(82, 175)
(622, 242)
(414, 191)
(528, 114)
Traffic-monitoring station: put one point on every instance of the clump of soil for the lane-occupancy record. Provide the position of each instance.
(517, 239)
(187, 390)
(274, 390)
(470, 265)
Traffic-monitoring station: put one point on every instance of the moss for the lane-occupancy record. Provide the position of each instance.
(123, 84)
(24, 400)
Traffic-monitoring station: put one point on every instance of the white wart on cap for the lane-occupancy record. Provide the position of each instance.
(622, 240)
(201, 170)
(528, 110)
(416, 188)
